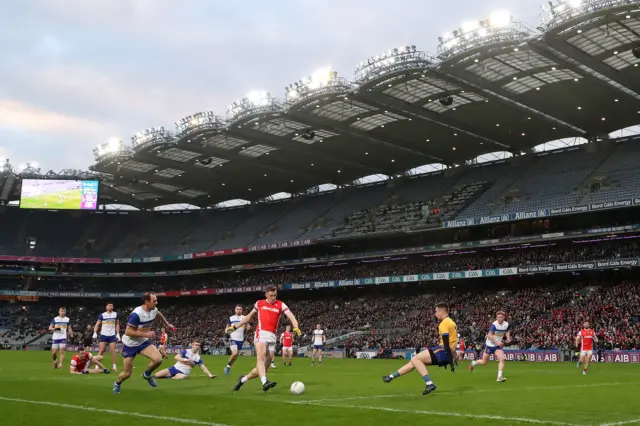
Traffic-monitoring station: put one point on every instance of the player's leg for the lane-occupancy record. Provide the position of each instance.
(179, 376)
(261, 349)
(155, 359)
(163, 374)
(284, 356)
(112, 348)
(232, 358)
(62, 347)
(127, 369)
(102, 346)
(482, 361)
(320, 355)
(587, 361)
(272, 356)
(163, 351)
(290, 356)
(420, 364)
(54, 354)
(500, 356)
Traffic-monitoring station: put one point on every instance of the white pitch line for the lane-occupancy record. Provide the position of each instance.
(624, 422)
(502, 389)
(449, 414)
(116, 412)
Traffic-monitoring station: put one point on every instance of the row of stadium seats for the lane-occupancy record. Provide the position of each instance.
(526, 183)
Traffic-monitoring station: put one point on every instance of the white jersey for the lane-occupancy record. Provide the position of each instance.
(108, 320)
(139, 320)
(62, 324)
(498, 331)
(318, 337)
(237, 335)
(186, 368)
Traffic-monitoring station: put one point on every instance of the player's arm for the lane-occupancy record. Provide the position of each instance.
(492, 336)
(182, 357)
(164, 320)
(282, 338)
(508, 335)
(294, 321)
(206, 370)
(118, 329)
(70, 330)
(243, 321)
(52, 326)
(97, 327)
(578, 340)
(447, 348)
(72, 370)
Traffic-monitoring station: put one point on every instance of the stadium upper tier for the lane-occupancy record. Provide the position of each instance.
(564, 178)
(495, 85)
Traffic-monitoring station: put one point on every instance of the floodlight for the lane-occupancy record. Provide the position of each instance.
(319, 78)
(500, 18)
(482, 32)
(113, 144)
(258, 98)
(575, 3)
(470, 26)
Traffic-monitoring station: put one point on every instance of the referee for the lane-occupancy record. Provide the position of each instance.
(87, 338)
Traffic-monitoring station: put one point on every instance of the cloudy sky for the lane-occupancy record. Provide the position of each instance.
(74, 73)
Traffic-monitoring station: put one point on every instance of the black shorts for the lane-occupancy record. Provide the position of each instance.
(439, 356)
(88, 343)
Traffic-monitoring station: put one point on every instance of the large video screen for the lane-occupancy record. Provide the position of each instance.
(59, 194)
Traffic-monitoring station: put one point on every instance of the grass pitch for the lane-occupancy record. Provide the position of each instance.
(71, 200)
(340, 392)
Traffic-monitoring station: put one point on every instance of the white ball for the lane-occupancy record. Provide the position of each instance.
(297, 388)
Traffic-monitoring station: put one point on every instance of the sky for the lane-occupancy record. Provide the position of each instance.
(75, 73)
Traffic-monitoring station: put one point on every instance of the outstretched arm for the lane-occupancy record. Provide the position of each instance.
(243, 321)
(206, 371)
(164, 320)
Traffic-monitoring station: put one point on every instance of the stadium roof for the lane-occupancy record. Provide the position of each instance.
(494, 85)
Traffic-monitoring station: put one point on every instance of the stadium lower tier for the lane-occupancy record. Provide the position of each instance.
(544, 312)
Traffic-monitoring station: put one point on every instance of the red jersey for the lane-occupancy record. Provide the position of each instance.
(81, 364)
(587, 336)
(462, 347)
(287, 339)
(163, 339)
(269, 315)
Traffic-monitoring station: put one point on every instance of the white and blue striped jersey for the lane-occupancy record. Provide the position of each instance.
(62, 324)
(499, 331)
(140, 320)
(237, 335)
(186, 368)
(108, 321)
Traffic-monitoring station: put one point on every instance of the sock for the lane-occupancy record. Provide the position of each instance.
(118, 382)
(228, 366)
(473, 363)
(394, 375)
(244, 379)
(115, 366)
(427, 379)
(263, 379)
(499, 373)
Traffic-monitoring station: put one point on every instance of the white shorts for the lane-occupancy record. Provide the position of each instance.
(266, 337)
(588, 353)
(58, 346)
(289, 349)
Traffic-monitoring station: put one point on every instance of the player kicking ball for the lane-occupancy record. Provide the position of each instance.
(498, 332)
(269, 311)
(82, 360)
(442, 355)
(187, 360)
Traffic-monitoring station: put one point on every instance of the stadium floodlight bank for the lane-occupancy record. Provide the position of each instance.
(254, 103)
(150, 137)
(112, 149)
(563, 11)
(396, 60)
(206, 120)
(322, 82)
(498, 28)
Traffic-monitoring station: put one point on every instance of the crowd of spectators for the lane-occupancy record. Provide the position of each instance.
(541, 317)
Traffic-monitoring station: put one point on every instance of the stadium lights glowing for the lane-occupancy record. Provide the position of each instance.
(152, 136)
(497, 28)
(254, 103)
(197, 121)
(322, 81)
(399, 59)
(564, 10)
(112, 147)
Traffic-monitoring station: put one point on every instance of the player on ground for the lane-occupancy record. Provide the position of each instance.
(498, 331)
(236, 338)
(286, 340)
(585, 338)
(187, 359)
(442, 355)
(137, 340)
(109, 326)
(81, 361)
(61, 328)
(318, 345)
(268, 311)
(461, 348)
(164, 341)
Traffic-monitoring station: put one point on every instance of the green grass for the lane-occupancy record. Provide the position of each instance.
(351, 391)
(38, 202)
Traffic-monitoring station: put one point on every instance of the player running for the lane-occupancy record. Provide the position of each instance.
(268, 311)
(61, 328)
(109, 326)
(498, 331)
(286, 340)
(187, 359)
(137, 340)
(81, 361)
(164, 341)
(461, 348)
(441, 355)
(318, 345)
(585, 338)
(236, 338)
